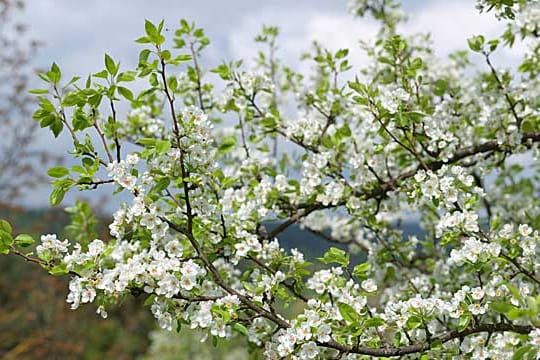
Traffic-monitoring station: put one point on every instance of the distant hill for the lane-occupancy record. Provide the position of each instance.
(313, 246)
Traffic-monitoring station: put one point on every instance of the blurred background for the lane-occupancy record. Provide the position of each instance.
(35, 321)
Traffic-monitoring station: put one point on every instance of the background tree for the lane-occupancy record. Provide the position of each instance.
(19, 161)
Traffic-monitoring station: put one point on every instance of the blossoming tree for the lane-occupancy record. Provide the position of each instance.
(343, 151)
(17, 157)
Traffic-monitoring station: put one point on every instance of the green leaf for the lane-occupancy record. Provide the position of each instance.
(463, 323)
(532, 305)
(44, 77)
(501, 307)
(149, 300)
(342, 53)
(414, 322)
(227, 145)
(57, 195)
(143, 40)
(240, 329)
(5, 226)
(54, 74)
(38, 91)
(143, 56)
(56, 126)
(153, 33)
(57, 172)
(111, 67)
(80, 120)
(162, 146)
(373, 322)
(125, 92)
(161, 184)
(146, 142)
(71, 99)
(476, 43)
(59, 270)
(103, 74)
(223, 71)
(348, 313)
(126, 76)
(150, 28)
(516, 314)
(522, 351)
(530, 125)
(269, 122)
(5, 242)
(60, 187)
(361, 270)
(335, 255)
(437, 344)
(183, 58)
(24, 240)
(439, 87)
(172, 83)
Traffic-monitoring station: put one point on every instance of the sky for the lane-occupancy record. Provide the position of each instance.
(76, 34)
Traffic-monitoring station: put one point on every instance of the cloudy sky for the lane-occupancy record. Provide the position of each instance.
(76, 33)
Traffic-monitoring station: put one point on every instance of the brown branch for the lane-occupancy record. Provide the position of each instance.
(219, 280)
(197, 76)
(381, 189)
(115, 135)
(28, 258)
(424, 346)
(36, 260)
(103, 141)
(500, 84)
(521, 269)
(201, 298)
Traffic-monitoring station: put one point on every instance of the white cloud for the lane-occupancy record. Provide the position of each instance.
(450, 23)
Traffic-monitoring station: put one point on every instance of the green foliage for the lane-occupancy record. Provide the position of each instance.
(335, 255)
